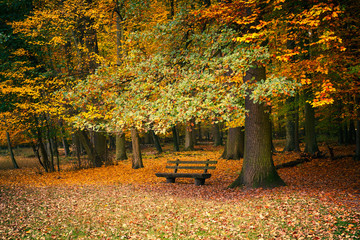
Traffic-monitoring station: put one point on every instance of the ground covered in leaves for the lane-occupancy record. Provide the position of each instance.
(321, 200)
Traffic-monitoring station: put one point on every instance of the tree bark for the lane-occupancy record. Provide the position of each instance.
(136, 159)
(189, 137)
(258, 168)
(216, 134)
(297, 138)
(46, 162)
(290, 135)
(156, 141)
(175, 139)
(357, 150)
(36, 152)
(310, 134)
(94, 158)
(352, 132)
(120, 147)
(200, 137)
(100, 145)
(56, 151)
(12, 156)
(346, 132)
(291, 143)
(50, 144)
(64, 141)
(77, 143)
(234, 148)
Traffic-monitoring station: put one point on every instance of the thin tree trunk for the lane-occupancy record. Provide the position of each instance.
(175, 139)
(310, 134)
(357, 150)
(290, 125)
(156, 142)
(234, 148)
(44, 155)
(352, 132)
(172, 9)
(136, 159)
(56, 151)
(258, 168)
(120, 147)
(297, 139)
(16, 166)
(200, 137)
(66, 146)
(36, 152)
(77, 143)
(346, 132)
(189, 137)
(216, 134)
(94, 158)
(64, 140)
(50, 144)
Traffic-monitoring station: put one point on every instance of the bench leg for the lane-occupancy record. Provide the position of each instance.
(170, 180)
(199, 181)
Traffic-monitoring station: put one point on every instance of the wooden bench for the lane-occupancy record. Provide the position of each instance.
(193, 165)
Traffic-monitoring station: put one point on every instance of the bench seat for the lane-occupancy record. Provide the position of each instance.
(199, 177)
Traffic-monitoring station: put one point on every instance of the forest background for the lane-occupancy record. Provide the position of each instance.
(95, 71)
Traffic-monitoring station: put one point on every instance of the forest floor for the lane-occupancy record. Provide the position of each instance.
(321, 201)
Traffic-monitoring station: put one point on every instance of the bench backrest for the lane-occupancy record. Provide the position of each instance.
(196, 165)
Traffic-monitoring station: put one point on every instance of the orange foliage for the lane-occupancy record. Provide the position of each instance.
(332, 178)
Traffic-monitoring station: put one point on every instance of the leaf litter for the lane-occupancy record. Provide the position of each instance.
(321, 200)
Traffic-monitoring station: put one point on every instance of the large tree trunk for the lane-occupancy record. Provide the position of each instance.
(234, 148)
(189, 137)
(216, 134)
(136, 159)
(120, 147)
(310, 134)
(258, 168)
(16, 166)
(175, 139)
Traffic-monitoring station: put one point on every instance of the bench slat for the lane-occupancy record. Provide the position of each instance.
(184, 175)
(191, 167)
(199, 177)
(192, 162)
